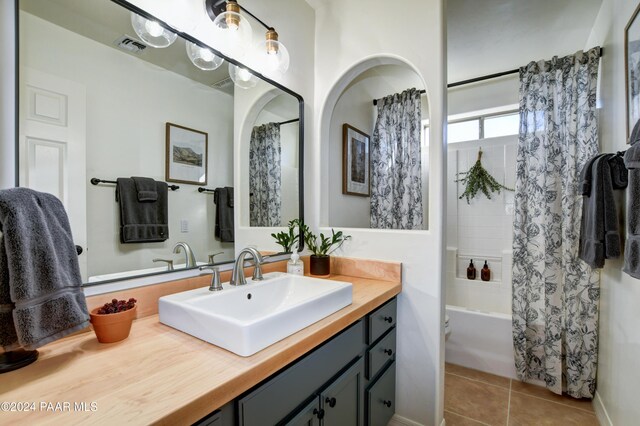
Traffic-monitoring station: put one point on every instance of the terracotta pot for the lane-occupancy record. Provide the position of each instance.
(112, 328)
(320, 265)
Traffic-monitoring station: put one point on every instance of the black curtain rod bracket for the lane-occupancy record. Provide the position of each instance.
(96, 181)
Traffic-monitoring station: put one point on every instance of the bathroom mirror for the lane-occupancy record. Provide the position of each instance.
(97, 103)
(353, 159)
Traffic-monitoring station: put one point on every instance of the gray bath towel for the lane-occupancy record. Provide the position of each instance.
(599, 231)
(632, 245)
(41, 298)
(146, 188)
(142, 221)
(223, 198)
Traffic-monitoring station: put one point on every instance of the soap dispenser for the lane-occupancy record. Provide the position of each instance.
(485, 273)
(471, 271)
(295, 265)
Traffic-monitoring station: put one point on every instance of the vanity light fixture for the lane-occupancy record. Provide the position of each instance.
(233, 29)
(151, 32)
(202, 57)
(242, 77)
(273, 55)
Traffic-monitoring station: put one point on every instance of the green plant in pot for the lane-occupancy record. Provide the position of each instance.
(322, 247)
(286, 239)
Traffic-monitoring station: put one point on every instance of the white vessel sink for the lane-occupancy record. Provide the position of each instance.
(246, 319)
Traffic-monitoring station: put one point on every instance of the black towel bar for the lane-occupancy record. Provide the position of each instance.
(203, 189)
(96, 181)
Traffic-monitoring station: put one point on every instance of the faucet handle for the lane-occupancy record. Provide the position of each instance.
(257, 272)
(216, 284)
(169, 263)
(211, 256)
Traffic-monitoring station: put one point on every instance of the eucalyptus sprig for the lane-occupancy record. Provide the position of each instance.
(323, 246)
(476, 179)
(287, 239)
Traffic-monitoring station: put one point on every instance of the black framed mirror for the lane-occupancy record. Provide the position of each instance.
(137, 111)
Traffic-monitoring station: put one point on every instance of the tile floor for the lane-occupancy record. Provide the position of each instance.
(473, 398)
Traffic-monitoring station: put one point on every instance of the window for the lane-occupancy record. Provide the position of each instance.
(485, 126)
(461, 131)
(501, 125)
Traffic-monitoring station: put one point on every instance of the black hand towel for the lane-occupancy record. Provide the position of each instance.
(142, 221)
(41, 298)
(146, 188)
(224, 227)
(632, 245)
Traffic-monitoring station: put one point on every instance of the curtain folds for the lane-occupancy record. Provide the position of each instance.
(396, 176)
(555, 295)
(265, 176)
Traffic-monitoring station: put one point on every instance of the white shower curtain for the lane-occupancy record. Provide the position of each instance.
(396, 172)
(265, 176)
(555, 294)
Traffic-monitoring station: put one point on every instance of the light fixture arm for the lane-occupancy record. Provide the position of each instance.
(216, 7)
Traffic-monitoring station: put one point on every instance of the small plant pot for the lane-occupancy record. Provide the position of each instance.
(111, 328)
(320, 265)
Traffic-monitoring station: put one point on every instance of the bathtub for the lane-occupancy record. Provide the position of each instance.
(480, 340)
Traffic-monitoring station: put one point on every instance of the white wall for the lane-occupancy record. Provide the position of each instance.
(355, 107)
(352, 37)
(7, 100)
(619, 345)
(484, 95)
(128, 103)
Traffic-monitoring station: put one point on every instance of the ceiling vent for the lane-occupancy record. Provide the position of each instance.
(130, 44)
(222, 84)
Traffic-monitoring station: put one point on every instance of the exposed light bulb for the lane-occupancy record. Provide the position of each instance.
(203, 57)
(153, 28)
(233, 31)
(243, 74)
(206, 55)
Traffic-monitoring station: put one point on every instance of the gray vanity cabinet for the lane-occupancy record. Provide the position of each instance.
(347, 381)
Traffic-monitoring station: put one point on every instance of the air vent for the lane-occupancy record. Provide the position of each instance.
(223, 83)
(130, 44)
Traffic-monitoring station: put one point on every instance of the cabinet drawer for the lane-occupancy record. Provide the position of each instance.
(381, 353)
(273, 400)
(380, 321)
(381, 398)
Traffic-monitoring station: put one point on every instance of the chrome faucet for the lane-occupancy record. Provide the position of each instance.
(237, 276)
(188, 254)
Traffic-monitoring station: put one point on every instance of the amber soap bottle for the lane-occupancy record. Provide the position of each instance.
(485, 272)
(471, 271)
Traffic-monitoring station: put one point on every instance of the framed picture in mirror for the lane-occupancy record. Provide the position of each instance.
(632, 69)
(355, 162)
(186, 155)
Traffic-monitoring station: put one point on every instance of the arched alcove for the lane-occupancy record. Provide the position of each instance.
(350, 101)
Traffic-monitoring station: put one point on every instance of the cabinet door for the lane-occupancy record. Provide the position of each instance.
(342, 401)
(308, 416)
(381, 398)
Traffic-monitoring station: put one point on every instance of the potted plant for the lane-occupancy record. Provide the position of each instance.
(287, 239)
(112, 321)
(320, 260)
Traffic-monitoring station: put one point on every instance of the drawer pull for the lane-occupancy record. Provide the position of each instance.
(388, 352)
(388, 319)
(319, 413)
(331, 402)
(387, 403)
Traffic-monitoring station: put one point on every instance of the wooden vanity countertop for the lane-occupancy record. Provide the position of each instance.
(159, 375)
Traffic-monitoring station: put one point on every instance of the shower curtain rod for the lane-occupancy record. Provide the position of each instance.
(491, 76)
(295, 120)
(422, 92)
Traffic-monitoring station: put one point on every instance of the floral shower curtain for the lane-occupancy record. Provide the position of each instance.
(396, 177)
(265, 177)
(555, 295)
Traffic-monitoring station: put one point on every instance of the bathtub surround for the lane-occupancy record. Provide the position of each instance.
(555, 295)
(41, 299)
(396, 168)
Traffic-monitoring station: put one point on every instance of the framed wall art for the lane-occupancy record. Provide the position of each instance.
(632, 70)
(186, 155)
(355, 162)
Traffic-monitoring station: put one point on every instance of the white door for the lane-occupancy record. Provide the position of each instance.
(52, 145)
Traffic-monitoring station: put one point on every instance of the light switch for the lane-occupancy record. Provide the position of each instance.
(184, 225)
